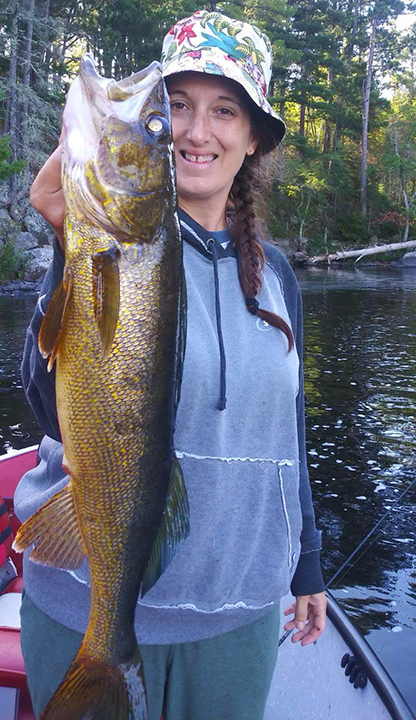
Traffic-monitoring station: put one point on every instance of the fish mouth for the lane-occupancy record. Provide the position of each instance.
(198, 159)
(126, 96)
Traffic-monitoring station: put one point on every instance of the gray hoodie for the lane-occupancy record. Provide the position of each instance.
(253, 532)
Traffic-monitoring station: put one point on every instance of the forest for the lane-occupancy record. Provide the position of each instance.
(343, 80)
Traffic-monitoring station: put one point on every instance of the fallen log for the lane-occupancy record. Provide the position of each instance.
(343, 254)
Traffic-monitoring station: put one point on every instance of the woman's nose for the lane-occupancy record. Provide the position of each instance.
(198, 130)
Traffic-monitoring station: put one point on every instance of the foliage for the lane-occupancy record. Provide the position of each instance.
(12, 263)
(8, 168)
(321, 62)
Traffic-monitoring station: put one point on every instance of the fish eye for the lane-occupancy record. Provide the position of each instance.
(158, 126)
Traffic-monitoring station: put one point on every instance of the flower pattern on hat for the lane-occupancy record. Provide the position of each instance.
(218, 45)
(186, 32)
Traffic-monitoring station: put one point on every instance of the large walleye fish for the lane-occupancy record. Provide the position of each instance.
(115, 328)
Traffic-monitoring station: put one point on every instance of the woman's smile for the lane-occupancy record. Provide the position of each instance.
(197, 158)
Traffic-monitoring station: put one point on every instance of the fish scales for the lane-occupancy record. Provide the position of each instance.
(106, 415)
(115, 328)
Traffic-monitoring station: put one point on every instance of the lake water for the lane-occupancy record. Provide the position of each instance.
(360, 381)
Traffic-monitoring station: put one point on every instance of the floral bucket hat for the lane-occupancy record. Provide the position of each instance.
(213, 43)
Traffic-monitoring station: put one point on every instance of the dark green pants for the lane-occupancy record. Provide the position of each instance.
(224, 678)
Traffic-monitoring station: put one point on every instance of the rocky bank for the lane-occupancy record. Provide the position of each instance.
(407, 261)
(32, 238)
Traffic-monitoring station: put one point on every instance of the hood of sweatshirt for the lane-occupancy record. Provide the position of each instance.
(201, 239)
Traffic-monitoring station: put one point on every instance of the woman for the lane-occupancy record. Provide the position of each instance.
(208, 630)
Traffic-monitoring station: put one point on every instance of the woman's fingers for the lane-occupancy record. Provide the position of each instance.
(320, 616)
(290, 625)
(307, 636)
(289, 610)
(318, 609)
(300, 634)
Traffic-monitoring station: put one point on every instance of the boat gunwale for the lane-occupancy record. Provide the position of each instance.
(16, 453)
(383, 683)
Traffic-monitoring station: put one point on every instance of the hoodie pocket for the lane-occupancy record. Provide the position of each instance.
(289, 496)
(244, 540)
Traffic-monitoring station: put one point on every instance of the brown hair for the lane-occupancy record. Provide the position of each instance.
(245, 232)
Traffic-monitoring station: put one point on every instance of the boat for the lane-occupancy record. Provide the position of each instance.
(338, 677)
(14, 694)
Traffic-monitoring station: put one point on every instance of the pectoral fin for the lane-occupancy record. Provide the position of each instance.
(55, 530)
(173, 529)
(54, 319)
(106, 295)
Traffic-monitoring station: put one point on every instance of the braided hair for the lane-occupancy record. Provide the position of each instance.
(250, 250)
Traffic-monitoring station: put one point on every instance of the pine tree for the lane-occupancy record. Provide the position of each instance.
(7, 168)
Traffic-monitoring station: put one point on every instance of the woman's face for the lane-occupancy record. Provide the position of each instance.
(211, 133)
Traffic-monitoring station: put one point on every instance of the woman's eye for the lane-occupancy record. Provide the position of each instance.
(177, 105)
(225, 111)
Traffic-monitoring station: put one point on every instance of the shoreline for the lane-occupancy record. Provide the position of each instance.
(21, 287)
(26, 287)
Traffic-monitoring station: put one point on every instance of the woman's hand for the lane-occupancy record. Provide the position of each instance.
(46, 194)
(310, 617)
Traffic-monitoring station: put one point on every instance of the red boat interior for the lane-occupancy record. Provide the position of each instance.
(12, 669)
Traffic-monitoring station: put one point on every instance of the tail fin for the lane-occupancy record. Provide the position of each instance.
(93, 690)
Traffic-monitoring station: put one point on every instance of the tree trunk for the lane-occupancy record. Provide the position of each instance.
(28, 49)
(366, 113)
(27, 64)
(301, 239)
(6, 125)
(354, 12)
(48, 59)
(402, 183)
(342, 255)
(282, 101)
(327, 131)
(13, 112)
(327, 137)
(302, 119)
(335, 138)
(44, 46)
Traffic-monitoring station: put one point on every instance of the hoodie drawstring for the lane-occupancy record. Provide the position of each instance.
(223, 399)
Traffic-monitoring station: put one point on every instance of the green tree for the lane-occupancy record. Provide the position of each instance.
(7, 168)
(379, 15)
(399, 159)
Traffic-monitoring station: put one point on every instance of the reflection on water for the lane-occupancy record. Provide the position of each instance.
(360, 380)
(18, 428)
